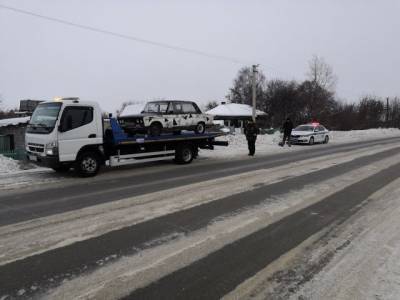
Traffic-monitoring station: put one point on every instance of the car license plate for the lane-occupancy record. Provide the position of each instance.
(32, 157)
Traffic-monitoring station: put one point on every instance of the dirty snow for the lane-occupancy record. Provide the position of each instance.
(369, 267)
(8, 165)
(62, 229)
(130, 272)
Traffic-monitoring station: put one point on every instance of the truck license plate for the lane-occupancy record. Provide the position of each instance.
(32, 157)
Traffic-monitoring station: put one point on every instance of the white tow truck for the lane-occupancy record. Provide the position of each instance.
(69, 133)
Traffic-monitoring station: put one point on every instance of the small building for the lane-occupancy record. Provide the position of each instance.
(27, 106)
(12, 136)
(235, 114)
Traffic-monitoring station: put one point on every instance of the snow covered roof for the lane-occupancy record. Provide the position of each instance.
(14, 121)
(234, 109)
(132, 109)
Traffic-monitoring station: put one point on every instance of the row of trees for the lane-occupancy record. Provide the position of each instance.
(312, 100)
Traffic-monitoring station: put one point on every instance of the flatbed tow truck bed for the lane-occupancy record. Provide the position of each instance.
(145, 148)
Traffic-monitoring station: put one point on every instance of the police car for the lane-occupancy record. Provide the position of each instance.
(309, 134)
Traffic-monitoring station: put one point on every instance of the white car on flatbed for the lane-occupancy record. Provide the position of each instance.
(167, 116)
(310, 134)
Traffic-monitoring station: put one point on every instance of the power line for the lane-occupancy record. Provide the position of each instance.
(127, 37)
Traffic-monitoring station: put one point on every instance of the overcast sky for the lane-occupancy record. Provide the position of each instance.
(40, 59)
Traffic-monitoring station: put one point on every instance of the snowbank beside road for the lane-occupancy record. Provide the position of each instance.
(362, 135)
(8, 165)
(268, 144)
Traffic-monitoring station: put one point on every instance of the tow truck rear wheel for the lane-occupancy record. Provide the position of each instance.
(87, 164)
(184, 154)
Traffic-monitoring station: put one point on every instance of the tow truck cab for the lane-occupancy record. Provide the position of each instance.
(61, 130)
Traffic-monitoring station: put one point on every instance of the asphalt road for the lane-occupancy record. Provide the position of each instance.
(29, 204)
(217, 273)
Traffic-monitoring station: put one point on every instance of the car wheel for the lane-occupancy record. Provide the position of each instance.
(326, 140)
(184, 154)
(200, 128)
(155, 129)
(311, 141)
(87, 164)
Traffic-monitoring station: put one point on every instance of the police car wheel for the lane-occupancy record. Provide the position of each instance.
(326, 140)
(311, 141)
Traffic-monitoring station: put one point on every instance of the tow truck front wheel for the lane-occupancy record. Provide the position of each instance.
(87, 164)
(184, 154)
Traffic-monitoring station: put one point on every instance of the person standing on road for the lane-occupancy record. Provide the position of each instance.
(287, 131)
(251, 131)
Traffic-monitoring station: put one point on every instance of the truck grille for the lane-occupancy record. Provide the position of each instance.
(39, 148)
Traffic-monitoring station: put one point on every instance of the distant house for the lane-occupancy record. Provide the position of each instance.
(12, 136)
(235, 114)
(12, 130)
(27, 106)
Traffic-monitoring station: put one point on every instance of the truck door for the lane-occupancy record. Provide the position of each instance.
(77, 129)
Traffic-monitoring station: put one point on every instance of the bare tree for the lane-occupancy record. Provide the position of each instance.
(241, 92)
(321, 74)
(211, 105)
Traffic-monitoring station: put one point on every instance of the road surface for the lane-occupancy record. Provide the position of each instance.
(248, 228)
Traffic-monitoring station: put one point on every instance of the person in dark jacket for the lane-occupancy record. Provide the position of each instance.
(287, 131)
(251, 132)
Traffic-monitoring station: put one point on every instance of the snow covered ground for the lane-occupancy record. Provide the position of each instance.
(268, 144)
(369, 267)
(374, 246)
(8, 165)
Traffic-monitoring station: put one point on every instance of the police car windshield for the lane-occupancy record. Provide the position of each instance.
(304, 128)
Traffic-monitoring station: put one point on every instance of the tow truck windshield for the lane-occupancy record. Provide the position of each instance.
(44, 118)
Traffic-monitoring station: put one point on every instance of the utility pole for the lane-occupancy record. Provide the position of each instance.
(387, 112)
(254, 91)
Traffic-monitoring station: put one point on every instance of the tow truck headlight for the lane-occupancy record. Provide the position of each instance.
(52, 148)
